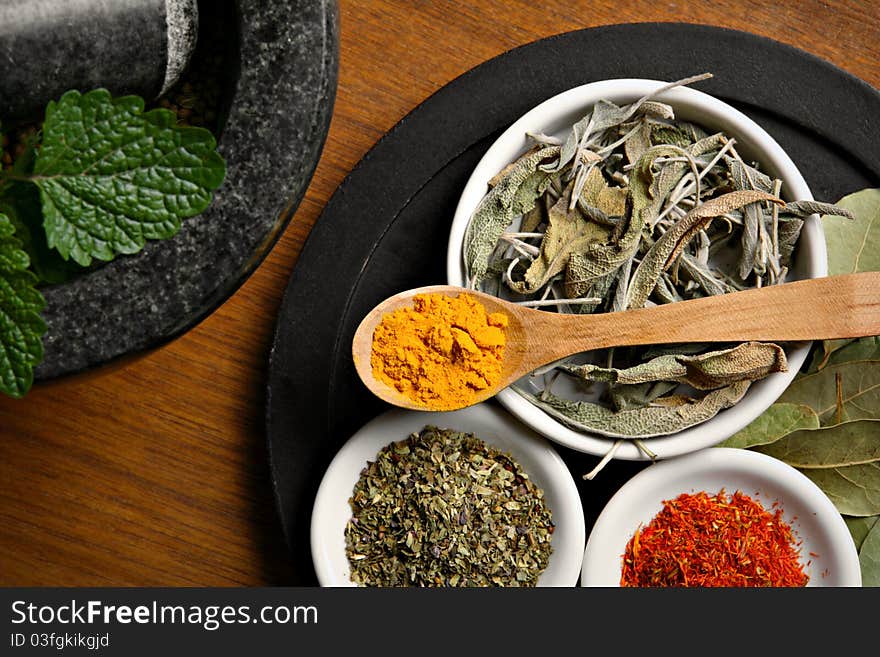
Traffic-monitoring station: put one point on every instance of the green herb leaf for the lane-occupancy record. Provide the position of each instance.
(869, 557)
(803, 209)
(666, 249)
(861, 349)
(112, 176)
(853, 245)
(655, 420)
(21, 327)
(21, 203)
(859, 528)
(748, 361)
(859, 388)
(777, 421)
(854, 490)
(838, 446)
(567, 233)
(514, 194)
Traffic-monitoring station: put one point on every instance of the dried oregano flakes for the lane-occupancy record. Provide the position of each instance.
(443, 508)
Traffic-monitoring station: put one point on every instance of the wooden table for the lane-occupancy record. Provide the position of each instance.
(155, 472)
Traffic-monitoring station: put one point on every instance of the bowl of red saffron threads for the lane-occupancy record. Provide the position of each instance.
(720, 517)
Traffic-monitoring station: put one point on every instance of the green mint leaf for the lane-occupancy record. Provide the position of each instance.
(21, 326)
(112, 176)
(21, 203)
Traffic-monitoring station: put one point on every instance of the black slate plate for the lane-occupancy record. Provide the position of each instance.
(386, 227)
(280, 65)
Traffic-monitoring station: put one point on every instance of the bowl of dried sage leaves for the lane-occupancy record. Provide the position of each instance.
(569, 202)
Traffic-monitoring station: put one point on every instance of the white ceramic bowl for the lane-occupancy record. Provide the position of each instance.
(537, 457)
(808, 511)
(555, 117)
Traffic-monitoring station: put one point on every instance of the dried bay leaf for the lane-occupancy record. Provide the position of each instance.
(777, 421)
(834, 352)
(860, 388)
(854, 490)
(859, 528)
(869, 557)
(512, 196)
(837, 446)
(745, 362)
(860, 349)
(640, 422)
(853, 243)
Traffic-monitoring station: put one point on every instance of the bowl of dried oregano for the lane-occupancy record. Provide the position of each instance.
(464, 498)
(584, 205)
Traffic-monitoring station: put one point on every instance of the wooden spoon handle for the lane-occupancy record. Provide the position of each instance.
(845, 306)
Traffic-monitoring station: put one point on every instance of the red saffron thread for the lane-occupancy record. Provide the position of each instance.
(702, 540)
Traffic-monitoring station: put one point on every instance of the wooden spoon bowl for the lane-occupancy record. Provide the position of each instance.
(828, 308)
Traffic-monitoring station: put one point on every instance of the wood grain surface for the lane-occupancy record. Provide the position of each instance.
(154, 472)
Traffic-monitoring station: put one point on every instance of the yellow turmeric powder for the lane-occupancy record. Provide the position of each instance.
(441, 352)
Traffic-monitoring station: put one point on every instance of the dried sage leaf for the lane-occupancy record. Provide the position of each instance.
(567, 233)
(606, 115)
(513, 195)
(703, 276)
(638, 143)
(640, 395)
(745, 176)
(666, 249)
(777, 421)
(580, 283)
(637, 423)
(801, 209)
(682, 134)
(598, 194)
(789, 232)
(745, 362)
(837, 446)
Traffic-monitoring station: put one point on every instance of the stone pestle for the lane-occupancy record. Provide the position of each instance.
(127, 46)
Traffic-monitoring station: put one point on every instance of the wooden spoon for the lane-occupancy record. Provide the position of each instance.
(845, 306)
